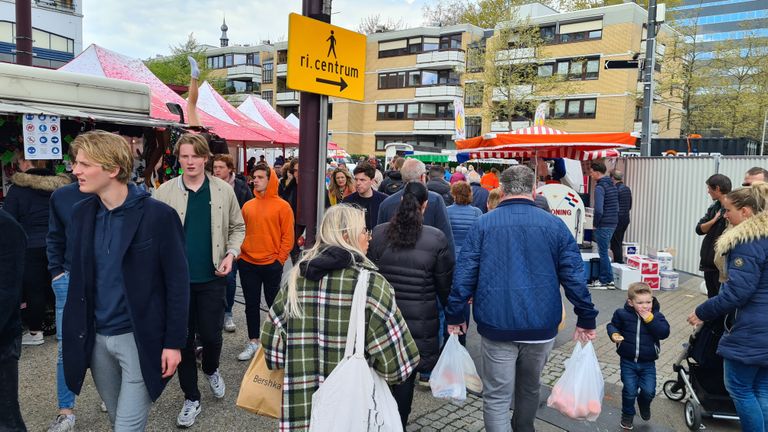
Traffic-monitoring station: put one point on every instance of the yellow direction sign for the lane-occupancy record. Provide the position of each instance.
(325, 59)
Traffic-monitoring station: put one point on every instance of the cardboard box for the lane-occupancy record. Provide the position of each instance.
(646, 265)
(653, 281)
(630, 248)
(664, 259)
(623, 276)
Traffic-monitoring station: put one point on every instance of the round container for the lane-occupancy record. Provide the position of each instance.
(669, 280)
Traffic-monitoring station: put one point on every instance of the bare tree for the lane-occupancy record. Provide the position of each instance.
(443, 13)
(374, 23)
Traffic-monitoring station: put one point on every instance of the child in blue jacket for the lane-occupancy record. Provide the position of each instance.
(637, 330)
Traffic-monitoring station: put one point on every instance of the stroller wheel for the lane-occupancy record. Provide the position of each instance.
(692, 415)
(674, 390)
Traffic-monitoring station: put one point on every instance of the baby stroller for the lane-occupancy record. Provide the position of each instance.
(700, 377)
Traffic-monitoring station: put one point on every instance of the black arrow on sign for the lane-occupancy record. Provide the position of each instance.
(341, 83)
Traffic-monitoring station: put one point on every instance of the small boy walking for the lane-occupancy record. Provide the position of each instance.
(637, 330)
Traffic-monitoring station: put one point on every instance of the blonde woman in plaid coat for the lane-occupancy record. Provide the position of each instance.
(307, 326)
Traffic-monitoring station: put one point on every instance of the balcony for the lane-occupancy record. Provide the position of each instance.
(249, 72)
(433, 127)
(282, 69)
(439, 93)
(516, 55)
(287, 98)
(505, 126)
(441, 60)
(518, 92)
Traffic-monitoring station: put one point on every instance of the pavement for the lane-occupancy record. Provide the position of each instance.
(37, 383)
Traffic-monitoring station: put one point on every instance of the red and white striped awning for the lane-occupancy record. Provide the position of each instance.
(538, 130)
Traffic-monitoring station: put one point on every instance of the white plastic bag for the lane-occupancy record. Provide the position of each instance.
(579, 392)
(354, 398)
(454, 373)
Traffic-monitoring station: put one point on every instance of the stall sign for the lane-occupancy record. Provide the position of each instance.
(42, 136)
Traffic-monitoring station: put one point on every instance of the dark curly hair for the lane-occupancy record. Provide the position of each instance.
(405, 226)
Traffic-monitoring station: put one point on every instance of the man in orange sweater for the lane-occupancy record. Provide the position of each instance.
(268, 242)
(490, 180)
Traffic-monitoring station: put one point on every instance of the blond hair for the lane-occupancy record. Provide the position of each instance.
(638, 288)
(109, 150)
(755, 197)
(341, 226)
(494, 196)
(198, 142)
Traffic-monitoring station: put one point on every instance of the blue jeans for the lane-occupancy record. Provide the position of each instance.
(231, 288)
(748, 387)
(637, 376)
(66, 397)
(603, 239)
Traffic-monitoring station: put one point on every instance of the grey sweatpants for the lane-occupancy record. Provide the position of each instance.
(512, 370)
(117, 373)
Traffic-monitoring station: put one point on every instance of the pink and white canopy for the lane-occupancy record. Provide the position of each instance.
(262, 112)
(99, 61)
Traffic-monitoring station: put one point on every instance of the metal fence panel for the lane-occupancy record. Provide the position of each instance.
(669, 197)
(735, 166)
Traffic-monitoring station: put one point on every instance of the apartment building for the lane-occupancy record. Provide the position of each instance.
(722, 20)
(57, 30)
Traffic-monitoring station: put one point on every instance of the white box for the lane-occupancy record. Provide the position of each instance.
(624, 276)
(630, 248)
(664, 259)
(669, 280)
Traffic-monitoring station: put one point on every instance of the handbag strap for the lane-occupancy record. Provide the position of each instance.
(356, 327)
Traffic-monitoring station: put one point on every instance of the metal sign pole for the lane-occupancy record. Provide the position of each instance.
(322, 156)
(650, 57)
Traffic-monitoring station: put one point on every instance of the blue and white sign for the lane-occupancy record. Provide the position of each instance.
(42, 136)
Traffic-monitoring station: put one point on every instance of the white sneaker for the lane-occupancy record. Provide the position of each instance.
(249, 351)
(32, 338)
(188, 414)
(229, 324)
(63, 423)
(217, 384)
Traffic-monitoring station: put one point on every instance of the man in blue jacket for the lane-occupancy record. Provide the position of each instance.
(624, 194)
(436, 214)
(127, 307)
(513, 262)
(606, 219)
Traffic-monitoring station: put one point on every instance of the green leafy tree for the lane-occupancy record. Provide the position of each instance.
(174, 69)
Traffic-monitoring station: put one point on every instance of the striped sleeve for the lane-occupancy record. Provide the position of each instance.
(273, 334)
(391, 350)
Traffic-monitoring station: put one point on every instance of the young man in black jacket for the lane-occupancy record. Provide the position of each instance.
(711, 226)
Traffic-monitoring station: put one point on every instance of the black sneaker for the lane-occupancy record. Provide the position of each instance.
(626, 422)
(645, 411)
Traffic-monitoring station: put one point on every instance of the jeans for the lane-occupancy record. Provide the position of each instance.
(252, 276)
(748, 387)
(231, 288)
(10, 413)
(637, 376)
(403, 394)
(117, 374)
(603, 238)
(512, 370)
(617, 242)
(37, 283)
(206, 319)
(66, 397)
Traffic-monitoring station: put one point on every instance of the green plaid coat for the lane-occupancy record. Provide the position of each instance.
(308, 348)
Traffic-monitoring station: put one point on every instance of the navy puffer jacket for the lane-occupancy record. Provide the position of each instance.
(462, 217)
(744, 295)
(606, 204)
(513, 262)
(641, 340)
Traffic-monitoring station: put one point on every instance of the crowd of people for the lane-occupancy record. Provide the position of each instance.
(139, 301)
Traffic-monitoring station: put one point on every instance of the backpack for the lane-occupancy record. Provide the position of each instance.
(393, 186)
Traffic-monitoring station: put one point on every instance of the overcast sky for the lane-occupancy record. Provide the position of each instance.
(144, 28)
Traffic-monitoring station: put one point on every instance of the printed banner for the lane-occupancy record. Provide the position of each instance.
(541, 114)
(42, 136)
(459, 127)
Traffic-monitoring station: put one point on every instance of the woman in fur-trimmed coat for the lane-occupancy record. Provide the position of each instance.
(28, 202)
(744, 296)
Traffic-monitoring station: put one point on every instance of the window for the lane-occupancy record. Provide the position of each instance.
(428, 141)
(574, 109)
(547, 34)
(6, 32)
(431, 44)
(414, 78)
(546, 70)
(238, 59)
(473, 126)
(448, 77)
(473, 95)
(414, 111)
(252, 59)
(216, 62)
(282, 56)
(580, 31)
(575, 69)
(267, 72)
(267, 96)
(450, 42)
(428, 78)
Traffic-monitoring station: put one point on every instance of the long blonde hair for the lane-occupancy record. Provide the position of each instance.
(341, 227)
(755, 197)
